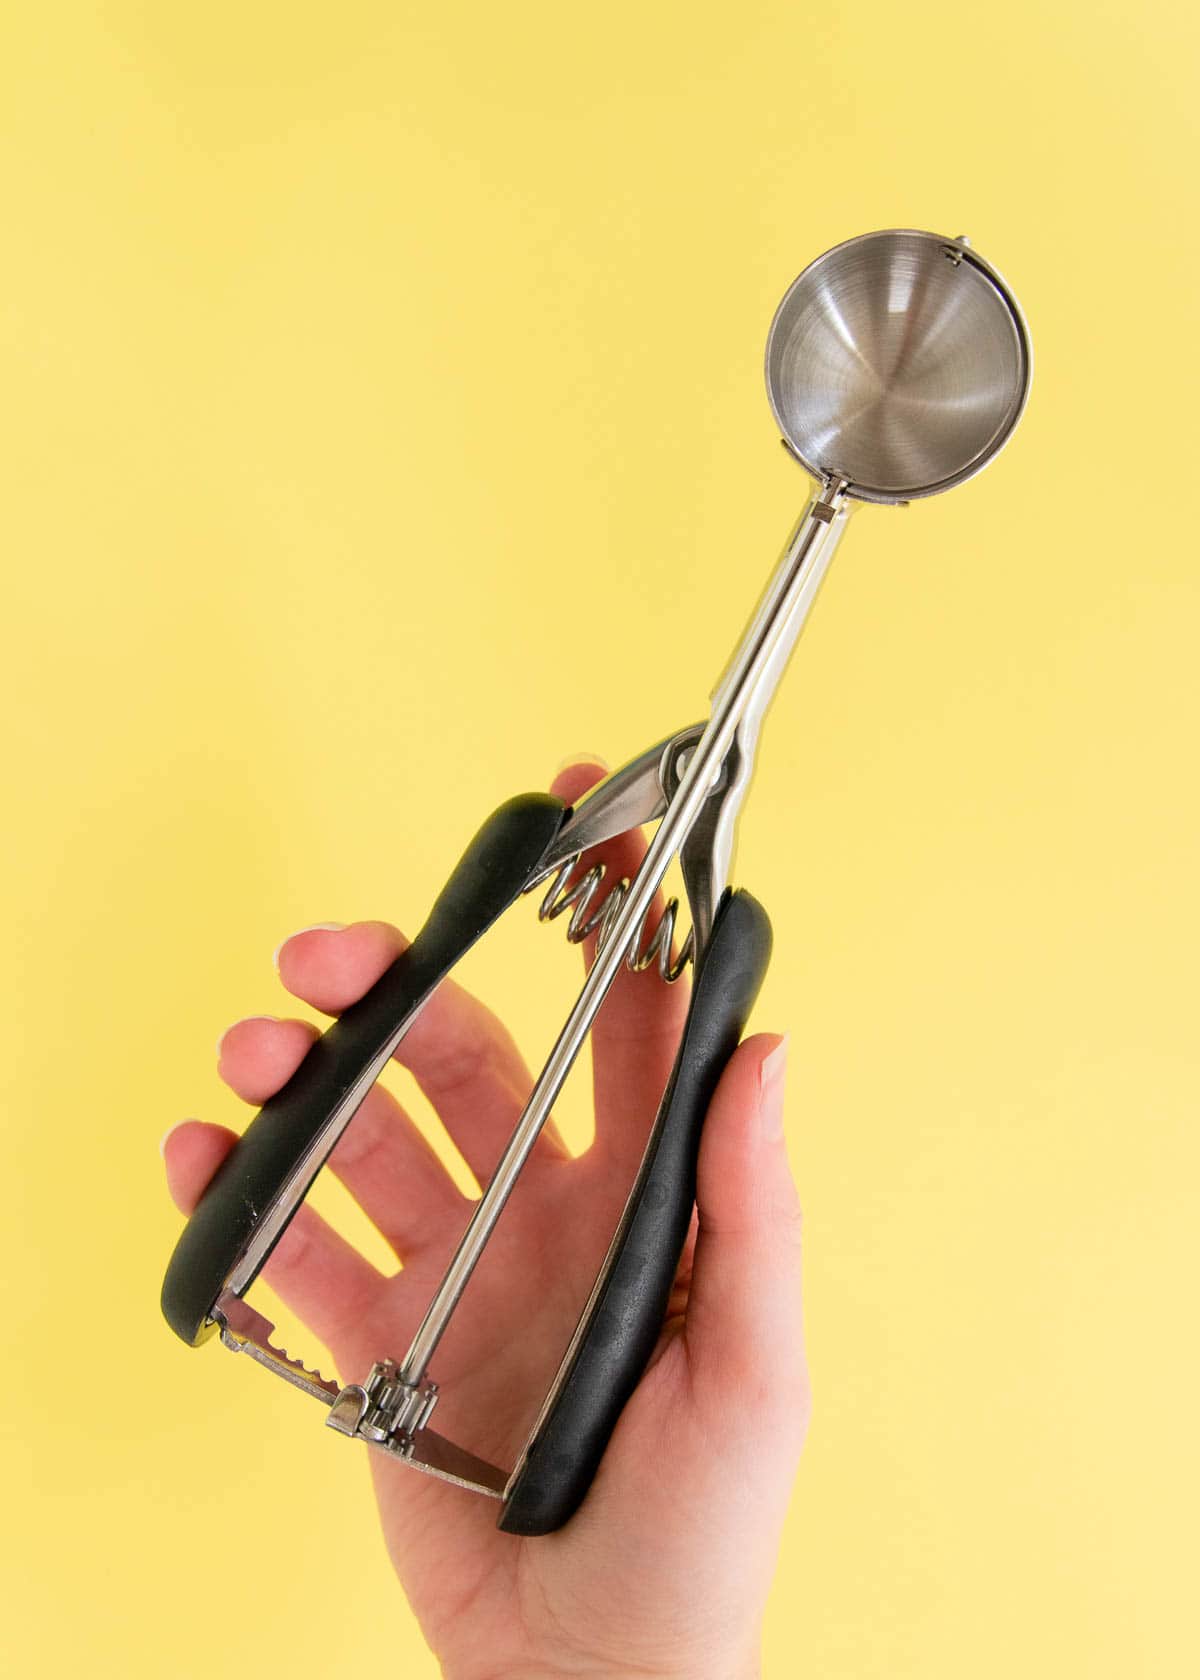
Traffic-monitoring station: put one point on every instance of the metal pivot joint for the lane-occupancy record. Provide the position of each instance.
(385, 1409)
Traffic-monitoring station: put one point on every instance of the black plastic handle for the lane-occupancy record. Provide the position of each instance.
(496, 867)
(624, 1315)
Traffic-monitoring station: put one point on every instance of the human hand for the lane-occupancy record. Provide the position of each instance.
(665, 1569)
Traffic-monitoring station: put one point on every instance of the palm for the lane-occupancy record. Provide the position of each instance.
(477, 1591)
(633, 1583)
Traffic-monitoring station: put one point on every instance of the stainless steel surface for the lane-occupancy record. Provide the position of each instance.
(707, 850)
(629, 798)
(709, 847)
(758, 652)
(899, 360)
(245, 1331)
(436, 1456)
(384, 1406)
(386, 1413)
(594, 901)
(382, 1412)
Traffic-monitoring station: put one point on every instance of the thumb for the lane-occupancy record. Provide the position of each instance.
(744, 1328)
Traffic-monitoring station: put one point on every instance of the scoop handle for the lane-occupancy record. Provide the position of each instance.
(284, 1148)
(624, 1315)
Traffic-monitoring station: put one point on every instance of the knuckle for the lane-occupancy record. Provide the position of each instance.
(787, 1219)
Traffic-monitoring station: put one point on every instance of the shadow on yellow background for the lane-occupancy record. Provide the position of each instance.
(383, 421)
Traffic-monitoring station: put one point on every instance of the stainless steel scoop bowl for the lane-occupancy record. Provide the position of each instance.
(899, 361)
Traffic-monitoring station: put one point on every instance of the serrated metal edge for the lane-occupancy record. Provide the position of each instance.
(245, 1331)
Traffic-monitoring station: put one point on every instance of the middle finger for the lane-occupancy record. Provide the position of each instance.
(460, 1054)
(382, 1158)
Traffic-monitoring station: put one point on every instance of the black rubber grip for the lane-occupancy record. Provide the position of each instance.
(625, 1313)
(496, 867)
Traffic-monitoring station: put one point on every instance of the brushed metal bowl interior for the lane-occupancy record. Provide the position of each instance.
(900, 361)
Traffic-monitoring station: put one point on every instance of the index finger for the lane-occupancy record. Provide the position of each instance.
(636, 1034)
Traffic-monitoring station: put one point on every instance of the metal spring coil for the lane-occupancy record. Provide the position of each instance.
(593, 911)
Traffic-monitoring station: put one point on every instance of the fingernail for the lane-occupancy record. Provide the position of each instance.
(317, 927)
(771, 1079)
(242, 1022)
(162, 1142)
(573, 759)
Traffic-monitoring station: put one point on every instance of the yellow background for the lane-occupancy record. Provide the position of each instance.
(381, 420)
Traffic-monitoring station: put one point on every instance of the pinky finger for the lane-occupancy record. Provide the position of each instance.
(317, 1273)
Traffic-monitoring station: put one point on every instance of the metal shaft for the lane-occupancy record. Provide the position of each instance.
(759, 656)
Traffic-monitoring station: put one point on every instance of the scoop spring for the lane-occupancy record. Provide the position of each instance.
(594, 909)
